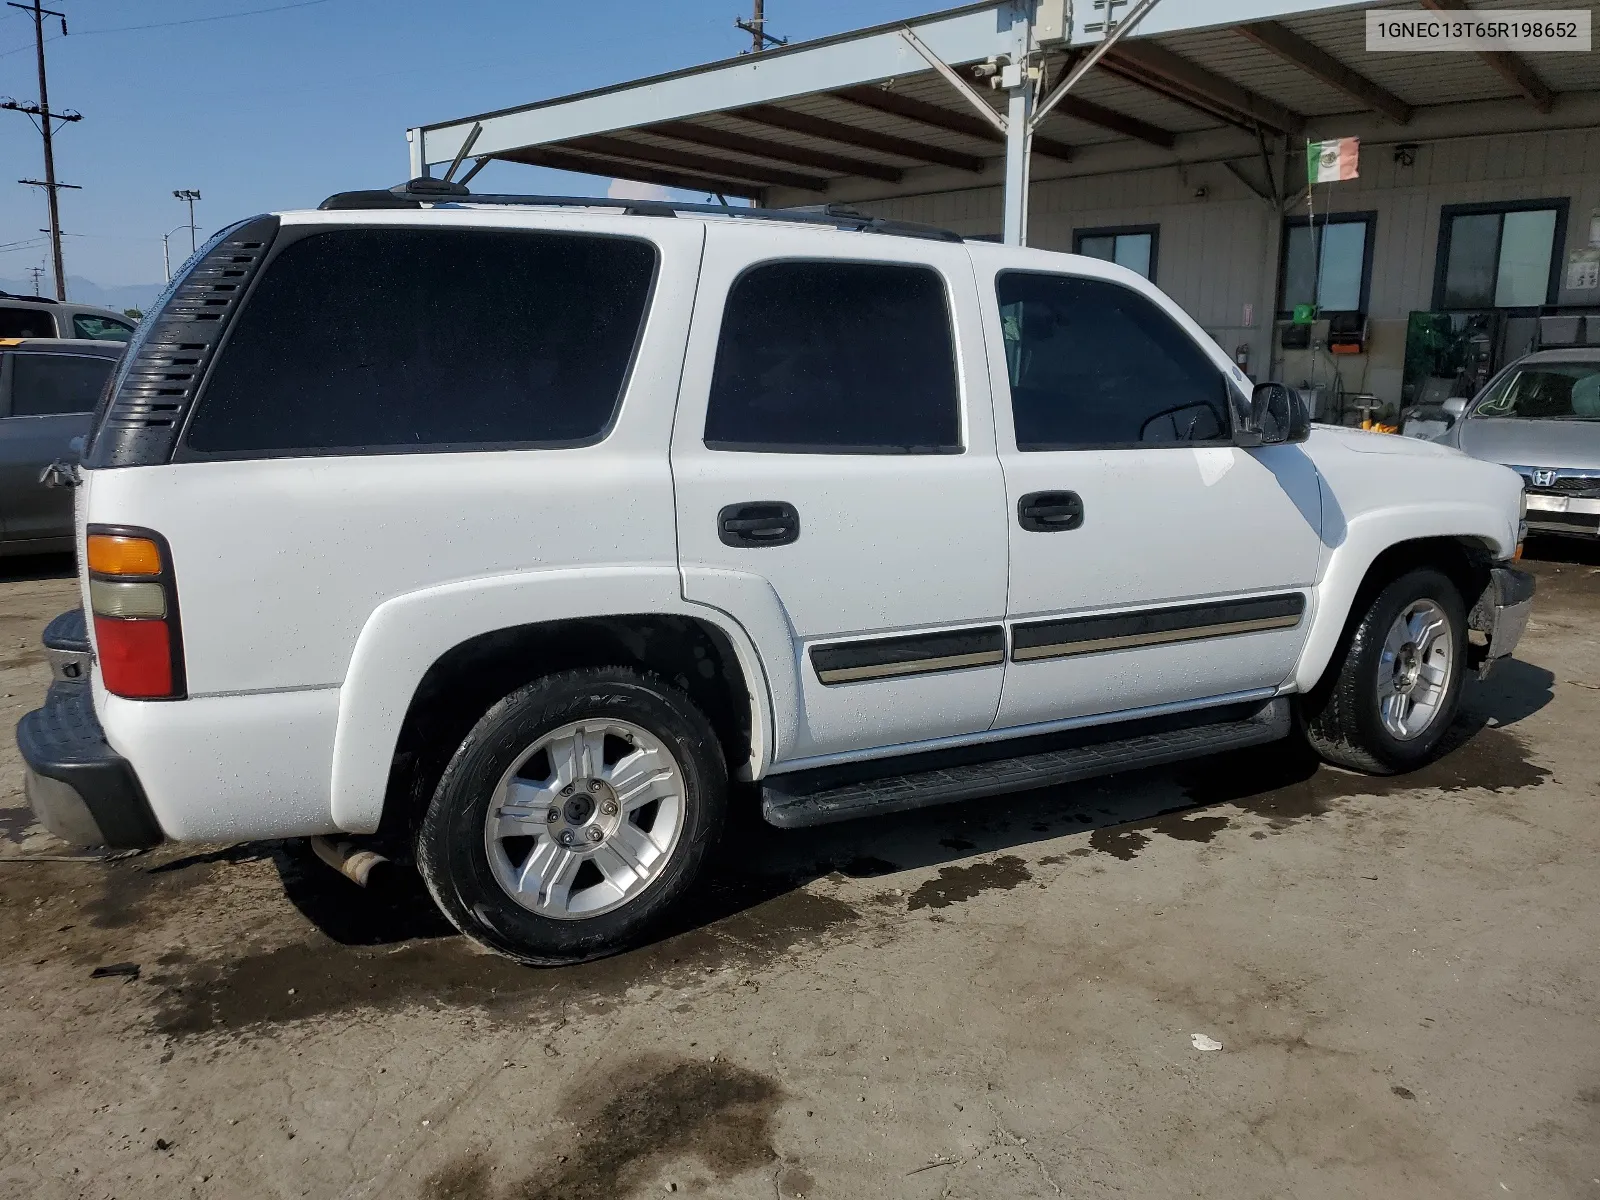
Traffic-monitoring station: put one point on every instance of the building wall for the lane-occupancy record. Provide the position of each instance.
(1219, 242)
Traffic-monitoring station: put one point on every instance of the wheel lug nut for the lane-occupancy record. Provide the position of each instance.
(567, 791)
(553, 815)
(594, 834)
(566, 837)
(609, 807)
(594, 785)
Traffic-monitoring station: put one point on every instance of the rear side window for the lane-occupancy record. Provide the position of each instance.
(1093, 363)
(100, 329)
(395, 339)
(836, 358)
(26, 323)
(45, 384)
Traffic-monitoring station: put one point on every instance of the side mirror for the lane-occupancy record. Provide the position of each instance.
(1456, 406)
(1278, 414)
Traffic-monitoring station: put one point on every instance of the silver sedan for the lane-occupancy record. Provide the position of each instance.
(1541, 417)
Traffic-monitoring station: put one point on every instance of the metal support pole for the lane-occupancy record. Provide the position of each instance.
(1019, 139)
(1019, 125)
(419, 164)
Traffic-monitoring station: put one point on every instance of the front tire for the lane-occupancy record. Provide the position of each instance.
(1394, 694)
(573, 815)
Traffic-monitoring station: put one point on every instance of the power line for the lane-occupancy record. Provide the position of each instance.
(253, 12)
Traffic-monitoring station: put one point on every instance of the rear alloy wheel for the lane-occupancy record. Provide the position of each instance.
(1389, 702)
(573, 815)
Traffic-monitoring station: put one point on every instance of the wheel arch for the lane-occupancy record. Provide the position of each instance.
(430, 663)
(1350, 584)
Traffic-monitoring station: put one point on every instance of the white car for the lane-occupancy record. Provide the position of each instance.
(807, 510)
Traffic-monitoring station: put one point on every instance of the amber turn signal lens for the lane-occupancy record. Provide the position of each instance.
(110, 554)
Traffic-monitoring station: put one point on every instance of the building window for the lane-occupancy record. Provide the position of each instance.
(1131, 246)
(1499, 255)
(1328, 263)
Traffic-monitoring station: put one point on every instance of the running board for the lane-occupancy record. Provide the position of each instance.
(827, 794)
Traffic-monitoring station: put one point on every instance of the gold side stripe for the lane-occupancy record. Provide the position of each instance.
(1130, 640)
(916, 666)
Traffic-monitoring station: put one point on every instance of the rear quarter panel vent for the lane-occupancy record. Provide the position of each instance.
(166, 362)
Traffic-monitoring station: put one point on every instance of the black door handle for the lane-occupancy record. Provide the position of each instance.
(758, 523)
(1050, 512)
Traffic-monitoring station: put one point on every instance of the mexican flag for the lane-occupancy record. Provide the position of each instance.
(1329, 162)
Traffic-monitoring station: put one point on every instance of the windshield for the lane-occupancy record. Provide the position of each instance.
(1547, 392)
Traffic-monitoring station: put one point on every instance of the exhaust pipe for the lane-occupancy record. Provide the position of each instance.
(349, 860)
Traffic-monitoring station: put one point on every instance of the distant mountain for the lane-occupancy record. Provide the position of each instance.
(86, 291)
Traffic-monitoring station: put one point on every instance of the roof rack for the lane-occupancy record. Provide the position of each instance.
(29, 299)
(417, 192)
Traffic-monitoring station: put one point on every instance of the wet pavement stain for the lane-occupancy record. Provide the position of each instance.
(1285, 784)
(252, 993)
(957, 884)
(719, 1113)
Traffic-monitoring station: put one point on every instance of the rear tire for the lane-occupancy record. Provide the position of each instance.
(573, 816)
(1387, 703)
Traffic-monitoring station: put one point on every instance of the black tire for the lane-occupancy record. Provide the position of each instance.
(1341, 716)
(451, 854)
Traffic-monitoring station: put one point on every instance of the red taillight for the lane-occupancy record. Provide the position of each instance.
(135, 604)
(135, 657)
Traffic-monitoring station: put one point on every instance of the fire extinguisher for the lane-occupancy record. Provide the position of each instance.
(1241, 357)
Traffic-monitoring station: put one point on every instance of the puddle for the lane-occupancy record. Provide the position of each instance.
(954, 885)
(1284, 785)
(251, 993)
(716, 1115)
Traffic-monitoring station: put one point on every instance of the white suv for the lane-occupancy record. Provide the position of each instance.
(518, 528)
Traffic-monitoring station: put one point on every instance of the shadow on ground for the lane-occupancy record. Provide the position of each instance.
(27, 568)
(389, 946)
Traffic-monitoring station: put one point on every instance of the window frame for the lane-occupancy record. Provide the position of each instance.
(1367, 217)
(1112, 231)
(1231, 399)
(290, 235)
(962, 398)
(1558, 242)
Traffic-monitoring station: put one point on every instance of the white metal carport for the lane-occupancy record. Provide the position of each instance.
(1196, 119)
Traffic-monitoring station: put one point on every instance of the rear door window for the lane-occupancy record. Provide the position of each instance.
(26, 323)
(381, 340)
(47, 384)
(827, 357)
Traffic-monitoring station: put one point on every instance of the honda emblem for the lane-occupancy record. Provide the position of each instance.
(1543, 478)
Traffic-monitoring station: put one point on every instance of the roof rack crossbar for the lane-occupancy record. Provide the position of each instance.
(419, 192)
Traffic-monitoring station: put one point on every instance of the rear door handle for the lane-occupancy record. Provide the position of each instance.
(758, 523)
(1050, 512)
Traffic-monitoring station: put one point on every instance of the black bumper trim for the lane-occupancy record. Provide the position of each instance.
(63, 741)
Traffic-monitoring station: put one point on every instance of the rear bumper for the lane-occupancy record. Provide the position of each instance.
(1502, 613)
(81, 789)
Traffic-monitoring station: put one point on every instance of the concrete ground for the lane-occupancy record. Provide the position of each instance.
(996, 1000)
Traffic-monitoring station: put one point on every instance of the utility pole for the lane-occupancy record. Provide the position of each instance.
(44, 116)
(36, 272)
(756, 27)
(191, 196)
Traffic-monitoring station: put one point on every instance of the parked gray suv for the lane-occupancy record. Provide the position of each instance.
(48, 390)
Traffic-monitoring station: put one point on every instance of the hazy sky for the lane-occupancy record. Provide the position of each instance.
(281, 106)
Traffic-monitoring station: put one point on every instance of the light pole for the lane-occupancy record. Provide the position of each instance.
(190, 195)
(166, 256)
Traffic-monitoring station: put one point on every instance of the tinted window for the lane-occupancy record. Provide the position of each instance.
(1131, 248)
(423, 338)
(1093, 363)
(1497, 258)
(102, 329)
(835, 357)
(26, 323)
(42, 384)
(1326, 266)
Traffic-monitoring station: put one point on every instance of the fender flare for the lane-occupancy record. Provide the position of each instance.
(1365, 538)
(405, 635)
